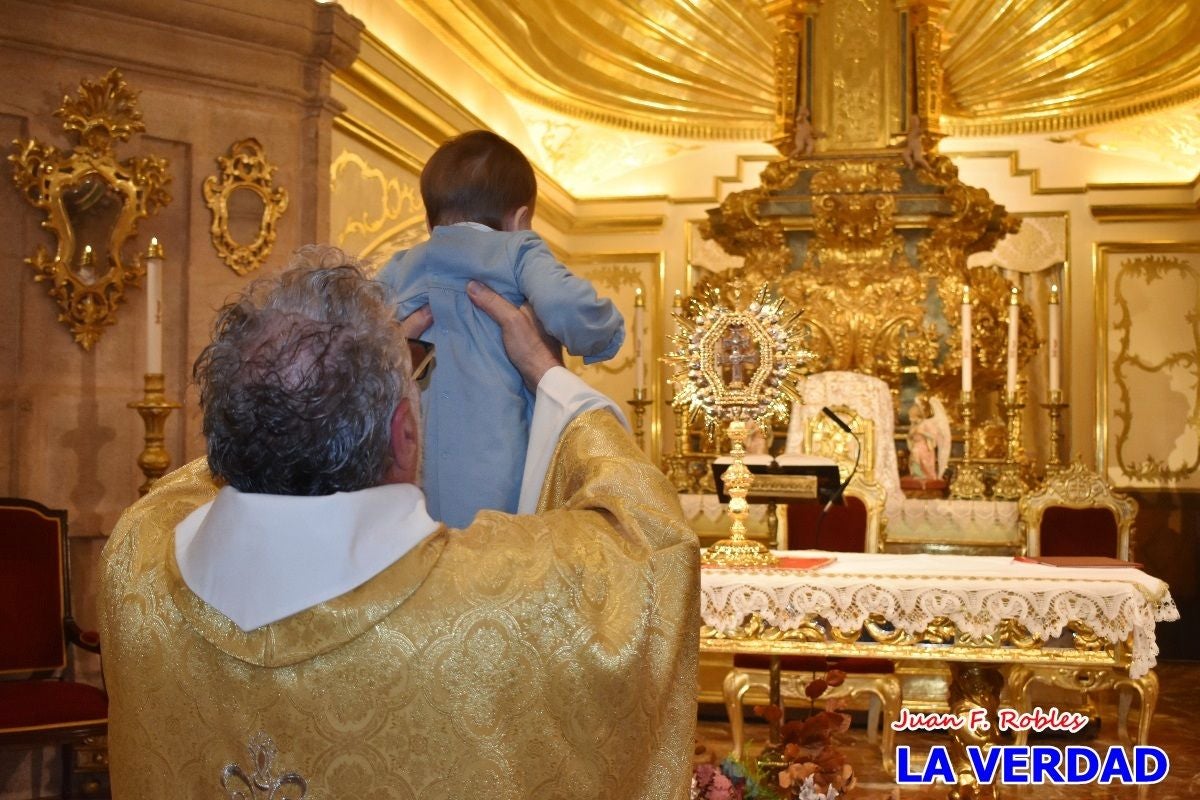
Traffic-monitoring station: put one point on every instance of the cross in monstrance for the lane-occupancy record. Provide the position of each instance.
(737, 352)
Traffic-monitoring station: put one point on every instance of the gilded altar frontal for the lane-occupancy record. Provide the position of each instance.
(910, 289)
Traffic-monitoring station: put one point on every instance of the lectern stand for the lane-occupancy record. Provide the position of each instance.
(776, 483)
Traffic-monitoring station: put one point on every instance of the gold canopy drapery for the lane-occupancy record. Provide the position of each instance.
(705, 69)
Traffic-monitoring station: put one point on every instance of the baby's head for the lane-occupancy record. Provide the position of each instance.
(479, 177)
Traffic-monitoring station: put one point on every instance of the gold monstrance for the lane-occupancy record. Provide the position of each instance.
(738, 365)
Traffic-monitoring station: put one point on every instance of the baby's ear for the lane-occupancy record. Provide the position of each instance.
(519, 220)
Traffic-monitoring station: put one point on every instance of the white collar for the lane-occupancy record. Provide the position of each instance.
(479, 226)
(258, 558)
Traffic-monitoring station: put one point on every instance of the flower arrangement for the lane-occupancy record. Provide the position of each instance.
(807, 764)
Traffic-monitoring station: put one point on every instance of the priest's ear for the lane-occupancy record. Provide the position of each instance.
(406, 444)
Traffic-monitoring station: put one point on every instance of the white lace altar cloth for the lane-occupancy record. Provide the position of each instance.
(953, 521)
(974, 592)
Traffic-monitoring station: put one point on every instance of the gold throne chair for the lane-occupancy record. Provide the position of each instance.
(1075, 514)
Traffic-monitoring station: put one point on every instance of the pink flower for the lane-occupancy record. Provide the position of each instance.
(722, 788)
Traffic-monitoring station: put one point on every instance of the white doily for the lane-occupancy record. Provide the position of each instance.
(952, 520)
(974, 592)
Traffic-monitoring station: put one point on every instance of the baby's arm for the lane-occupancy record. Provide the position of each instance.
(567, 306)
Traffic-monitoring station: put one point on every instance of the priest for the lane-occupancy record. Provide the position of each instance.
(284, 619)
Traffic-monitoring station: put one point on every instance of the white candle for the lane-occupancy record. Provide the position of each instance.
(966, 339)
(639, 310)
(1014, 311)
(154, 341)
(1055, 340)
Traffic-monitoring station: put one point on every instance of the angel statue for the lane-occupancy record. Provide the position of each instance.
(928, 438)
(914, 148)
(804, 135)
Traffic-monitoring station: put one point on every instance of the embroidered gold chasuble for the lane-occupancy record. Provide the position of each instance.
(522, 657)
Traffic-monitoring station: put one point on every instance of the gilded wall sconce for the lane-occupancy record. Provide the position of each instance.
(92, 203)
(245, 206)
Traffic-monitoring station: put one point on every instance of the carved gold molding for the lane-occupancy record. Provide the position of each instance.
(1148, 269)
(1008, 642)
(1148, 261)
(1151, 212)
(92, 203)
(244, 169)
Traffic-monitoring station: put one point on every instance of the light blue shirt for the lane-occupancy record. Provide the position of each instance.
(476, 408)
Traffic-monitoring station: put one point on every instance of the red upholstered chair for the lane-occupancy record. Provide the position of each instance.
(1076, 513)
(39, 704)
(854, 527)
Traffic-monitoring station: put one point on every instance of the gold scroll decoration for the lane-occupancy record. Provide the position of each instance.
(92, 203)
(243, 188)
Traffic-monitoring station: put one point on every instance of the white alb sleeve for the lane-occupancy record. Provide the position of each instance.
(561, 396)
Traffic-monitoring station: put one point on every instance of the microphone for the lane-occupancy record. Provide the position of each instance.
(833, 498)
(841, 423)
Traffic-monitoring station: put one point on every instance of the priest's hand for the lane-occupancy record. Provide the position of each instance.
(531, 350)
(417, 322)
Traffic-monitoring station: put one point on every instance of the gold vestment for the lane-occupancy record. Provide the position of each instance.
(536, 657)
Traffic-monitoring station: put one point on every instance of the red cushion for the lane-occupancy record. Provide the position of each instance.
(1079, 532)
(844, 529)
(853, 666)
(50, 704)
(31, 591)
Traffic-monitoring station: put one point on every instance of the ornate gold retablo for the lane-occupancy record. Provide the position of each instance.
(738, 365)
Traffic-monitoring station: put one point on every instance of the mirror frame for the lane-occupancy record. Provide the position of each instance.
(100, 115)
(244, 168)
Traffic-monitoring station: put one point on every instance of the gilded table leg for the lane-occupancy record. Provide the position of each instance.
(776, 696)
(973, 686)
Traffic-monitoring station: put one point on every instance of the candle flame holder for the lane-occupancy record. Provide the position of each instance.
(968, 478)
(1055, 407)
(639, 403)
(154, 409)
(1010, 485)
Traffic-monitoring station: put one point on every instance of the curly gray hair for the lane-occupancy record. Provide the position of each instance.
(300, 381)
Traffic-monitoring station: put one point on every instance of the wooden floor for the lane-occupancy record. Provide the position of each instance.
(1176, 729)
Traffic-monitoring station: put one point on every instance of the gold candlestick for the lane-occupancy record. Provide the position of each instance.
(154, 409)
(968, 478)
(1054, 461)
(639, 403)
(1010, 485)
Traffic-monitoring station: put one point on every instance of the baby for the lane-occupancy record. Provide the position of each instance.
(479, 192)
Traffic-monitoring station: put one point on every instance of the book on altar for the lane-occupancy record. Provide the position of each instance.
(790, 562)
(1077, 561)
(785, 478)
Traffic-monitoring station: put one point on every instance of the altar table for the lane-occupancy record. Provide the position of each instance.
(971, 611)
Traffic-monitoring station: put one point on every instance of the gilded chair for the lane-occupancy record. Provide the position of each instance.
(864, 402)
(854, 526)
(39, 703)
(1075, 513)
